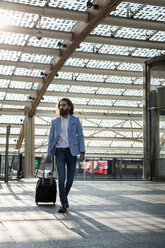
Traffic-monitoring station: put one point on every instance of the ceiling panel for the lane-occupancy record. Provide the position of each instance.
(97, 85)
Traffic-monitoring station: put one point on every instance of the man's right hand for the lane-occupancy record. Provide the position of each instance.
(48, 159)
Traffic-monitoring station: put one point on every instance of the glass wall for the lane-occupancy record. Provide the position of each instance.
(90, 169)
(114, 168)
(15, 166)
(162, 144)
(154, 118)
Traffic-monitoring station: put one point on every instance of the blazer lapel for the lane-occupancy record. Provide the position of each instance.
(70, 123)
(58, 125)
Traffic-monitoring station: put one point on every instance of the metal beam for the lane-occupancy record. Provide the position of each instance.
(60, 35)
(104, 155)
(88, 154)
(76, 54)
(110, 152)
(97, 116)
(46, 11)
(73, 69)
(31, 49)
(110, 72)
(102, 148)
(76, 106)
(76, 95)
(87, 138)
(20, 138)
(89, 115)
(113, 155)
(86, 115)
(11, 111)
(22, 78)
(28, 65)
(94, 138)
(90, 128)
(149, 2)
(75, 82)
(125, 42)
(109, 57)
(134, 23)
(82, 16)
(89, 148)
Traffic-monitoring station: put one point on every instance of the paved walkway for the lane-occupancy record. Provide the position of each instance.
(109, 214)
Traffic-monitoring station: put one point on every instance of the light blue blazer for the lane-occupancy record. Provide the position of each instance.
(75, 136)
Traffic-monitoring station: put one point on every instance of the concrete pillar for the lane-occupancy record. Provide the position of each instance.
(29, 162)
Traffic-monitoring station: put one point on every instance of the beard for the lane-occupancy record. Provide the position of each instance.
(64, 112)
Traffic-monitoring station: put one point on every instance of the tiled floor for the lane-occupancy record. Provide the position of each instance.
(107, 214)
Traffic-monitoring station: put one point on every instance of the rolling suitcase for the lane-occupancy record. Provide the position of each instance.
(46, 188)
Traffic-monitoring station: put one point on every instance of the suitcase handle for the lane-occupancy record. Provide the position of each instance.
(51, 170)
(43, 175)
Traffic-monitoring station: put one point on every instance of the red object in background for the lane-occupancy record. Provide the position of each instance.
(100, 167)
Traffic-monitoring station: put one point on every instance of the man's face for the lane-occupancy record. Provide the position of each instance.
(64, 108)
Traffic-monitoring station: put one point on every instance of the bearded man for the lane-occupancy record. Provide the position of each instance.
(66, 141)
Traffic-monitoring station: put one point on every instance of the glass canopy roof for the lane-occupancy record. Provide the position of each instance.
(103, 77)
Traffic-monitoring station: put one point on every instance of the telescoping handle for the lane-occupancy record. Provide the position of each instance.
(44, 165)
(51, 175)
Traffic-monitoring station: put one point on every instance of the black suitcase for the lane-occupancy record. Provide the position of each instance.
(46, 189)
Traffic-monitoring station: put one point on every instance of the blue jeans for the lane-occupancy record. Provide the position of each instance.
(64, 158)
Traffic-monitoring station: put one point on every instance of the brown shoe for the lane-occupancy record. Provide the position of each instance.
(62, 209)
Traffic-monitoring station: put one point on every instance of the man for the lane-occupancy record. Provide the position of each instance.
(66, 141)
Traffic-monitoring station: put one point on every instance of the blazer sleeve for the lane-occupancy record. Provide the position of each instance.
(80, 136)
(51, 139)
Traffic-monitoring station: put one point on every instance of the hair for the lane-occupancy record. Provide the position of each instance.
(70, 104)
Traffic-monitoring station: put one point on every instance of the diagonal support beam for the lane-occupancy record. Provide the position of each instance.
(20, 139)
(79, 33)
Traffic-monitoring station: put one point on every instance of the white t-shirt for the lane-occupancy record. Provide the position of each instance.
(63, 138)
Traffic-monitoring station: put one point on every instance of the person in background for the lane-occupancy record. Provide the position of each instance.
(66, 141)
